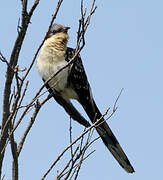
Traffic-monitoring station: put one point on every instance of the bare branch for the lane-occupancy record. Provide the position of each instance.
(20, 102)
(115, 104)
(36, 2)
(79, 156)
(15, 158)
(70, 129)
(6, 121)
(37, 108)
(67, 165)
(3, 59)
(76, 165)
(83, 152)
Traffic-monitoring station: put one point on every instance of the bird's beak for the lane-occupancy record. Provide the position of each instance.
(66, 29)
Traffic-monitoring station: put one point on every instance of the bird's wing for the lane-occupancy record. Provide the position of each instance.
(77, 79)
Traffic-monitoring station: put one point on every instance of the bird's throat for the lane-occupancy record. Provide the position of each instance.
(57, 42)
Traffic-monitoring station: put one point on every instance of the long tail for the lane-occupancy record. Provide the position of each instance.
(108, 137)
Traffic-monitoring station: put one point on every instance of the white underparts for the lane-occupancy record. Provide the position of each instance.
(49, 63)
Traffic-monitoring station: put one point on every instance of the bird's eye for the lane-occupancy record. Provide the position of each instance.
(59, 30)
(56, 31)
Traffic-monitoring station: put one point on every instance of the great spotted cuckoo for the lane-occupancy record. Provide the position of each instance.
(72, 83)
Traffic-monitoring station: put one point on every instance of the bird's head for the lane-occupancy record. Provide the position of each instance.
(57, 37)
(58, 29)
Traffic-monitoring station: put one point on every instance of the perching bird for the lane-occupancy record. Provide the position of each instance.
(72, 83)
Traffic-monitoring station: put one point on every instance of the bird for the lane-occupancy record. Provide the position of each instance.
(72, 83)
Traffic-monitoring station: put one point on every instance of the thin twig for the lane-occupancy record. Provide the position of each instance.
(81, 142)
(115, 104)
(67, 165)
(12, 95)
(90, 133)
(77, 164)
(3, 59)
(80, 155)
(20, 102)
(70, 129)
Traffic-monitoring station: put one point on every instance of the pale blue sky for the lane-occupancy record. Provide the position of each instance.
(124, 49)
